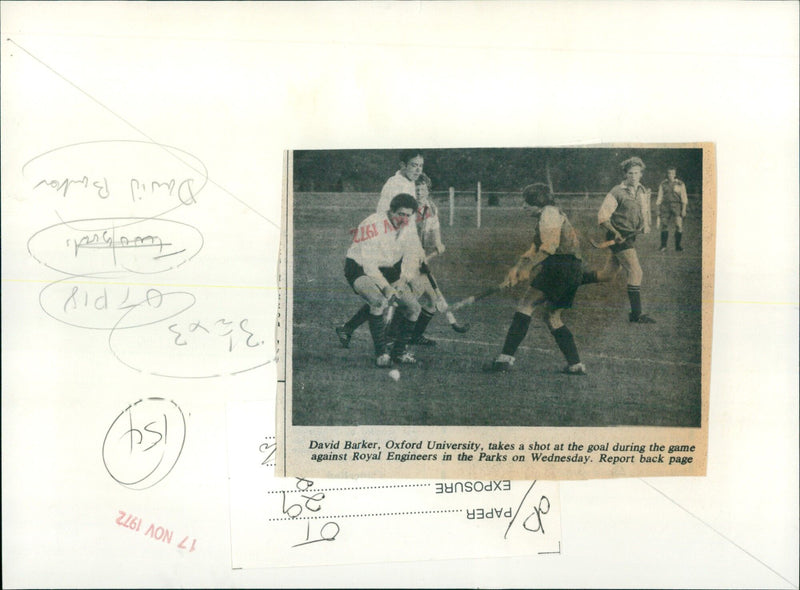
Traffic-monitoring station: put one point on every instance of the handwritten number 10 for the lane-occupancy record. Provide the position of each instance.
(328, 532)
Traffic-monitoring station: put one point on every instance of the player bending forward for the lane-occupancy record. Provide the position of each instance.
(383, 258)
(409, 177)
(402, 182)
(556, 248)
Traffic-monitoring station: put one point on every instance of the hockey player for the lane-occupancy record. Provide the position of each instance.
(557, 250)
(671, 203)
(382, 260)
(624, 213)
(405, 181)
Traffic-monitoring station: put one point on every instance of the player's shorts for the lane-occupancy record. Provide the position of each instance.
(353, 270)
(626, 245)
(559, 279)
(669, 211)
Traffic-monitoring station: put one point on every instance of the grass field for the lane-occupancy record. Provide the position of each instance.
(638, 374)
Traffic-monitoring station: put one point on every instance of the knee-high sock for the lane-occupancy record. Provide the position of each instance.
(378, 337)
(421, 324)
(361, 316)
(635, 297)
(404, 329)
(393, 327)
(566, 343)
(516, 333)
(664, 238)
(678, 236)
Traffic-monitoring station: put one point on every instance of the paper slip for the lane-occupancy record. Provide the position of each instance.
(299, 521)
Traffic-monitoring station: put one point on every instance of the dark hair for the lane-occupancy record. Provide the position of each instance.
(538, 195)
(407, 155)
(672, 167)
(424, 179)
(403, 201)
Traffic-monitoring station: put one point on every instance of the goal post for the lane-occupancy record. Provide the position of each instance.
(478, 199)
(452, 205)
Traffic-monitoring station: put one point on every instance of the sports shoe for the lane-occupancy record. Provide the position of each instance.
(405, 358)
(422, 341)
(642, 319)
(344, 336)
(383, 360)
(578, 369)
(501, 364)
(678, 249)
(662, 249)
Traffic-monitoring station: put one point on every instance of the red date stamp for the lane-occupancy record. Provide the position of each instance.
(155, 531)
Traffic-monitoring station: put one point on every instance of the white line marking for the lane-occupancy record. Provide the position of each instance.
(533, 348)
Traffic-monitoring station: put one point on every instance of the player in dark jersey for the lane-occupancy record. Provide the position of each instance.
(556, 250)
(671, 203)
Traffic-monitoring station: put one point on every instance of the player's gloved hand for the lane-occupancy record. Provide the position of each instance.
(618, 237)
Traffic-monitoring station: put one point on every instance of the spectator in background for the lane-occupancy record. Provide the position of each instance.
(671, 203)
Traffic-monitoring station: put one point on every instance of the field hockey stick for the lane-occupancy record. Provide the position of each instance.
(482, 295)
(460, 328)
(389, 315)
(491, 290)
(608, 243)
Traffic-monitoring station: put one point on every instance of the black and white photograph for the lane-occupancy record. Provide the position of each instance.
(499, 287)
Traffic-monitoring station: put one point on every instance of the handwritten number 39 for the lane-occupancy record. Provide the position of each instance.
(295, 510)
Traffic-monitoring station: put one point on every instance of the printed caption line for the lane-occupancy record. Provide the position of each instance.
(142, 133)
(728, 539)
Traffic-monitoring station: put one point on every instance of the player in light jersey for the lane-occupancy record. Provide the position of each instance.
(624, 213)
(402, 182)
(556, 250)
(431, 238)
(383, 258)
(671, 203)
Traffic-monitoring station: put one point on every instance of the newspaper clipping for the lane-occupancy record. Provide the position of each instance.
(496, 313)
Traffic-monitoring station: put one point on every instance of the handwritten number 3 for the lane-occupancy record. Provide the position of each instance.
(543, 508)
